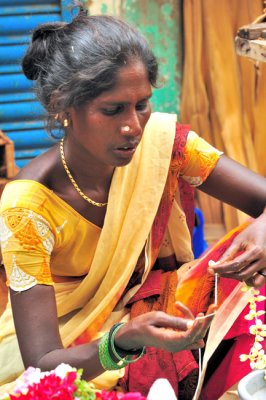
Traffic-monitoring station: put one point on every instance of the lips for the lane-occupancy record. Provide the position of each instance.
(127, 147)
(126, 150)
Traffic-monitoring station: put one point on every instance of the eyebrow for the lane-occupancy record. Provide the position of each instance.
(124, 102)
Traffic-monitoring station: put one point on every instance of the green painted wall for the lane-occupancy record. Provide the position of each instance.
(161, 23)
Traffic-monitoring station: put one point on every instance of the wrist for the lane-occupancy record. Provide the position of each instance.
(123, 352)
(111, 356)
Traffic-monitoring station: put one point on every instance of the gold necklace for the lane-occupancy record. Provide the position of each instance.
(72, 180)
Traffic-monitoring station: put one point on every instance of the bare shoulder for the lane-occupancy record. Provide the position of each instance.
(42, 169)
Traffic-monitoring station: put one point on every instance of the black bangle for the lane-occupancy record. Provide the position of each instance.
(119, 352)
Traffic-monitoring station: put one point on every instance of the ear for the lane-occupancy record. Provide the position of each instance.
(64, 118)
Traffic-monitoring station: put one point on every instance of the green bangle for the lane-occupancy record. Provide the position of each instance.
(129, 358)
(104, 356)
(108, 351)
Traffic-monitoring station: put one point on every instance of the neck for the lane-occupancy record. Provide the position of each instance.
(86, 170)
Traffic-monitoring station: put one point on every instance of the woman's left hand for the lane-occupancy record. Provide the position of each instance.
(250, 265)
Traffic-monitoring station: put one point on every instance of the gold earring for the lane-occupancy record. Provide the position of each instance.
(65, 123)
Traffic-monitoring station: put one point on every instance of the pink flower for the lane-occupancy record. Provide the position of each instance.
(119, 396)
(133, 396)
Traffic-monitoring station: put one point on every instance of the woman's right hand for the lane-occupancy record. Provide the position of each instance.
(158, 329)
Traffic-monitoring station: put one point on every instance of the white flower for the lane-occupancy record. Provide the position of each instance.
(244, 357)
(256, 355)
(63, 369)
(30, 376)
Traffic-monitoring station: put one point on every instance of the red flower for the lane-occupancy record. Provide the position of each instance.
(50, 387)
(67, 385)
(107, 395)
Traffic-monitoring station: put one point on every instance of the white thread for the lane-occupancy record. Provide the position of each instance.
(205, 316)
(211, 263)
(216, 290)
(200, 372)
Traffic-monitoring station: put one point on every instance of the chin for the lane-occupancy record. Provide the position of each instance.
(123, 163)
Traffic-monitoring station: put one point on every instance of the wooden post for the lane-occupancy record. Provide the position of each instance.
(251, 39)
(8, 168)
(7, 163)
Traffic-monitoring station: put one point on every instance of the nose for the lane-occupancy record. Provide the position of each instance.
(132, 125)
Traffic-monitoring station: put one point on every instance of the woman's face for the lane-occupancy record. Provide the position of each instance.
(95, 128)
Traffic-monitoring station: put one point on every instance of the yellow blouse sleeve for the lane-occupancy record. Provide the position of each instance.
(26, 244)
(199, 160)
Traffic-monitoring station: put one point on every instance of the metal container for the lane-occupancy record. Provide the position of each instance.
(253, 386)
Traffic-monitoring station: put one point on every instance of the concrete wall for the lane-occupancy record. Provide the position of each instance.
(161, 23)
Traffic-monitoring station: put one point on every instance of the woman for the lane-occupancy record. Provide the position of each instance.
(94, 226)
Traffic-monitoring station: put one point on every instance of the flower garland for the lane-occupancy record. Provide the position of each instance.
(257, 354)
(63, 383)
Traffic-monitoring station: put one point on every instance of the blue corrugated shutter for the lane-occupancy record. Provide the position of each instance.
(21, 116)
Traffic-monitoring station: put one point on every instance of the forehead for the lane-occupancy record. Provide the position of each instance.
(131, 73)
(131, 79)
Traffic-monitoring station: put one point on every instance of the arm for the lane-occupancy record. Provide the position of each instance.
(37, 330)
(245, 190)
(236, 185)
(35, 318)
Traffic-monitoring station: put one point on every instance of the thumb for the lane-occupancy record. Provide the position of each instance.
(230, 253)
(227, 256)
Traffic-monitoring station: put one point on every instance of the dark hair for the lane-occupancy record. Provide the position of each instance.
(74, 63)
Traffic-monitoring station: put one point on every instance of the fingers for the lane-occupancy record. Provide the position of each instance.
(246, 256)
(160, 319)
(164, 331)
(243, 271)
(211, 309)
(202, 324)
(197, 345)
(244, 267)
(181, 324)
(200, 327)
(231, 252)
(185, 310)
(257, 280)
(252, 254)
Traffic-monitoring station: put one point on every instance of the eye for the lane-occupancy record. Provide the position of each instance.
(112, 110)
(143, 106)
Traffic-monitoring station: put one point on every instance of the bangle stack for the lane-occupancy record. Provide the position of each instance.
(108, 351)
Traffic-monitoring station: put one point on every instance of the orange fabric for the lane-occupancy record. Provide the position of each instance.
(158, 363)
(196, 285)
(164, 302)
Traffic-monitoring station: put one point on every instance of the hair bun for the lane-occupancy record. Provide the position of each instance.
(43, 44)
